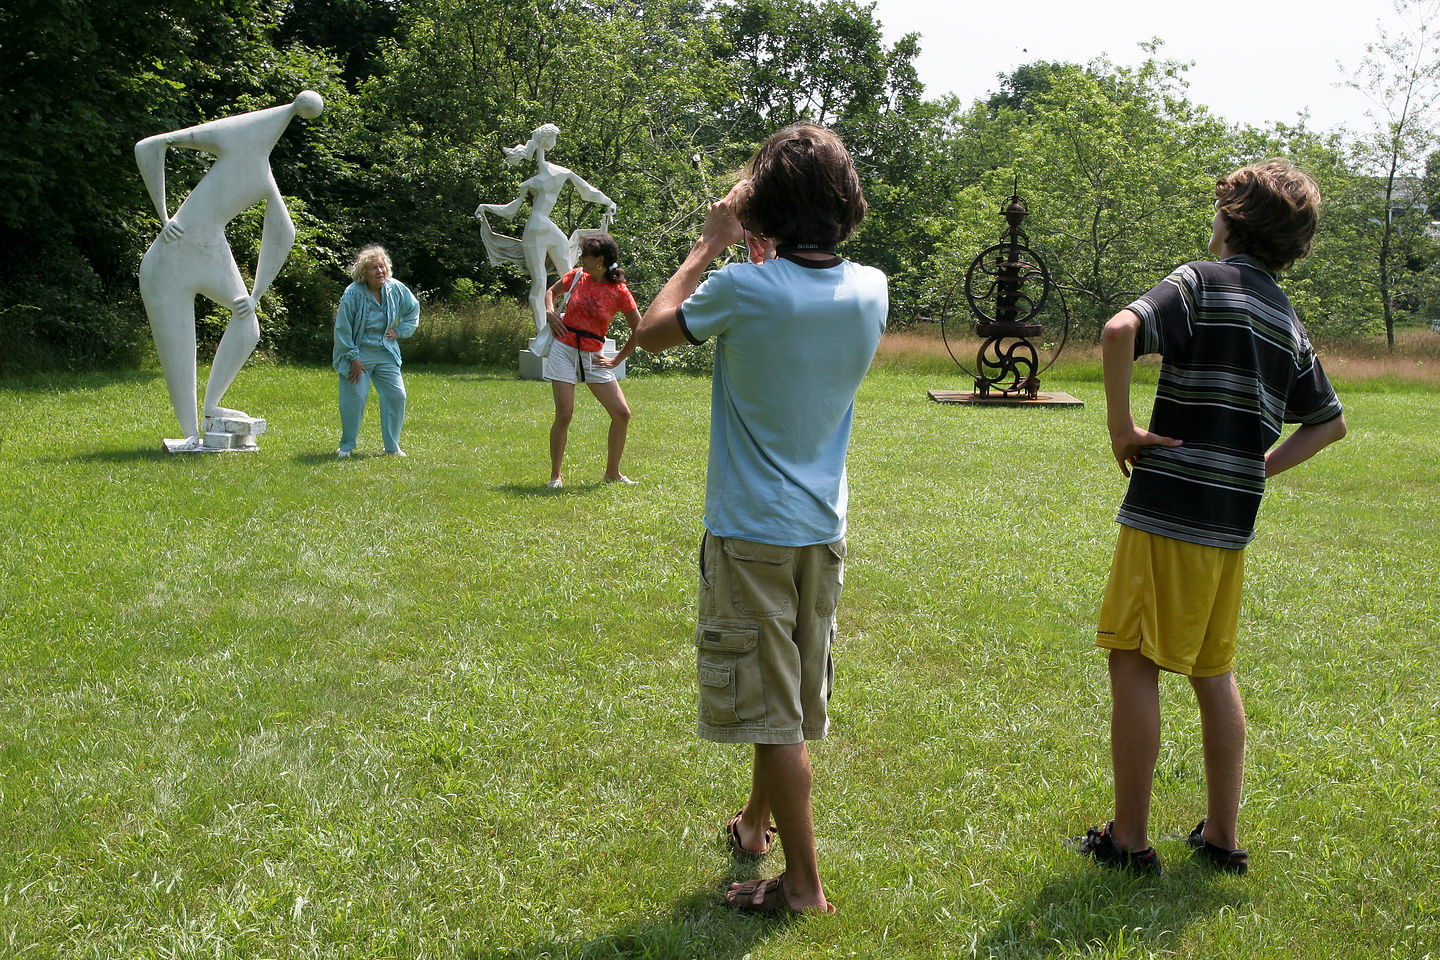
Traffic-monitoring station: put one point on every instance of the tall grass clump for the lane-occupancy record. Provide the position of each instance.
(480, 332)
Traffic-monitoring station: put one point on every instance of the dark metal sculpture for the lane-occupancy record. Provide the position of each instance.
(1005, 288)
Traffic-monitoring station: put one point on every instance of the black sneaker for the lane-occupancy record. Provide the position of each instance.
(1228, 861)
(1100, 846)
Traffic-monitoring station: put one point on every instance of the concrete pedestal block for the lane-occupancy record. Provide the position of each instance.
(221, 435)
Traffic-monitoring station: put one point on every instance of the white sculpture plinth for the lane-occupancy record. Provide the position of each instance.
(533, 367)
(221, 435)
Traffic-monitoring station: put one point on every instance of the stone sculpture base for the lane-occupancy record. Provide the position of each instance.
(221, 435)
(1000, 400)
(533, 367)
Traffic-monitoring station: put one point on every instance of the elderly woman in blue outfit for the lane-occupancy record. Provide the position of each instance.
(376, 311)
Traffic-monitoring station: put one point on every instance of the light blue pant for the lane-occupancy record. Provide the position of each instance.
(391, 388)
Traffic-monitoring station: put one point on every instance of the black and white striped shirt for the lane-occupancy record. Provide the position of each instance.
(1237, 364)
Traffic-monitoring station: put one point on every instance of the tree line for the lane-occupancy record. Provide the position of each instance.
(659, 102)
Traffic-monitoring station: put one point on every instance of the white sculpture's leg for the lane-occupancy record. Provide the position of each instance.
(171, 310)
(535, 265)
(241, 336)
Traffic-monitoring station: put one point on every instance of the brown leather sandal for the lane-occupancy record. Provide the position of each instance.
(738, 849)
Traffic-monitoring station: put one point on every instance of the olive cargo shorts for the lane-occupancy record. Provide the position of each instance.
(766, 622)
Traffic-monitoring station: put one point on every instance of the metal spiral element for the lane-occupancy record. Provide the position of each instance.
(1015, 361)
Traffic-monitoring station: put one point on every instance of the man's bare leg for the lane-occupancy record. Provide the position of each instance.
(782, 781)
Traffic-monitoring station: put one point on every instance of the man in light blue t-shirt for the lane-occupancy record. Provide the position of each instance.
(795, 330)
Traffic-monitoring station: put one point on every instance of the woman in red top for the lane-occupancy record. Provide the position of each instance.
(597, 292)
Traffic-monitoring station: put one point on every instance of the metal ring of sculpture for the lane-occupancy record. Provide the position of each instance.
(957, 292)
(1000, 261)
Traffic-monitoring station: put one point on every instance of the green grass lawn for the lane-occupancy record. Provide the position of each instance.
(274, 705)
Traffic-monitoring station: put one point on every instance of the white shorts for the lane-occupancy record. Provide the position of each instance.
(566, 364)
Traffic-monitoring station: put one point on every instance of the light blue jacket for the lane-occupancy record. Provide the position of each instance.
(402, 313)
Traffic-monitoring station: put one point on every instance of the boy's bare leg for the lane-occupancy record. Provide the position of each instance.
(755, 818)
(782, 781)
(1222, 725)
(1134, 743)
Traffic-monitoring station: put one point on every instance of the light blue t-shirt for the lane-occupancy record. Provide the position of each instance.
(792, 344)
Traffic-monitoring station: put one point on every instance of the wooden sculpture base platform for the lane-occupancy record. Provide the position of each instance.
(1000, 400)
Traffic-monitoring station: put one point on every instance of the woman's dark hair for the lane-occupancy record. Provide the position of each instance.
(803, 188)
(604, 245)
(1270, 210)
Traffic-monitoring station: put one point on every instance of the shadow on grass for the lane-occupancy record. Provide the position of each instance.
(313, 458)
(52, 381)
(540, 490)
(155, 454)
(1100, 908)
(698, 926)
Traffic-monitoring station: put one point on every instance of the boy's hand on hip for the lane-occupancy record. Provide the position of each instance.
(1127, 446)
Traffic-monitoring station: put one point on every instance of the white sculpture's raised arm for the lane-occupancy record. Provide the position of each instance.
(506, 210)
(150, 158)
(587, 192)
(277, 236)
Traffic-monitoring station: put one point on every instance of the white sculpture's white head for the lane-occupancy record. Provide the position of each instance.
(309, 104)
(543, 138)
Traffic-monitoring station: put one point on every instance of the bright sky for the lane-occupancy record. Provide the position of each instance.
(1253, 62)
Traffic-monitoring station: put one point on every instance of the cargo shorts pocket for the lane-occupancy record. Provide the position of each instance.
(727, 657)
(759, 584)
(831, 578)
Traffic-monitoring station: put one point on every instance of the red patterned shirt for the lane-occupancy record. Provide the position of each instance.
(591, 307)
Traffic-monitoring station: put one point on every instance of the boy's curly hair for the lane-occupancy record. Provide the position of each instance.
(1270, 210)
(803, 188)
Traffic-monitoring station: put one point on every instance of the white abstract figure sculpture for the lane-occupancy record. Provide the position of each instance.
(541, 241)
(191, 255)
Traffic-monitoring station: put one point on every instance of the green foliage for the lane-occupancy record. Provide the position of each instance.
(659, 104)
(1400, 74)
(84, 81)
(687, 358)
(1334, 290)
(1119, 169)
(353, 31)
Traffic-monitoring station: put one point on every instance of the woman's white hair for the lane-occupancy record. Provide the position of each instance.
(367, 256)
(527, 150)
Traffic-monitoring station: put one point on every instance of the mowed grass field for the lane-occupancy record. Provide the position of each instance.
(274, 705)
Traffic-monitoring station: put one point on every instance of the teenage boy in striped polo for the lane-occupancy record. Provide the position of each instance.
(1237, 364)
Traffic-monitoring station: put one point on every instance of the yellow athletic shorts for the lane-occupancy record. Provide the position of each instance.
(1178, 603)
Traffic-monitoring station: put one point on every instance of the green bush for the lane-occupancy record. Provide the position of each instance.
(57, 314)
(685, 359)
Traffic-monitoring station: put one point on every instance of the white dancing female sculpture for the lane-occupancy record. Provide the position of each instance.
(542, 242)
(191, 255)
